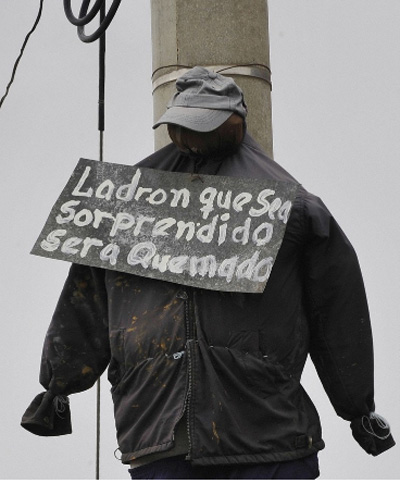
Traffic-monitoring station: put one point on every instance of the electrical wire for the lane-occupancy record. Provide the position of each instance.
(22, 52)
(101, 128)
(85, 17)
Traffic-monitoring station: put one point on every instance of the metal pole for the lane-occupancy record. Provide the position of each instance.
(230, 36)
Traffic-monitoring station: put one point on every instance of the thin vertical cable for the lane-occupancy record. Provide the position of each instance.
(101, 128)
(22, 52)
(98, 431)
(102, 79)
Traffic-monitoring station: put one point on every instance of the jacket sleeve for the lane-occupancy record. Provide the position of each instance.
(76, 351)
(341, 345)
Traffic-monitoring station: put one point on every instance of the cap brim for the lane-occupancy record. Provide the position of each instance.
(196, 119)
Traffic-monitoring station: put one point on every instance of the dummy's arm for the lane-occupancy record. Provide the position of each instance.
(75, 353)
(341, 338)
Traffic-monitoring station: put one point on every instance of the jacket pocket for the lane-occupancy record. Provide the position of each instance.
(264, 376)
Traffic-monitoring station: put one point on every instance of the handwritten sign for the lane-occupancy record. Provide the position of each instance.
(213, 232)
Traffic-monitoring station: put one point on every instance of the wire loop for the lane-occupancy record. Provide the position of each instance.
(85, 17)
(82, 19)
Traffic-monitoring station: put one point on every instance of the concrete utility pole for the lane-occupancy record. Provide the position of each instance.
(228, 36)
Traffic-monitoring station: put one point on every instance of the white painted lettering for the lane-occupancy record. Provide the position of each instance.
(69, 244)
(262, 200)
(241, 233)
(158, 193)
(52, 241)
(266, 264)
(207, 197)
(246, 268)
(100, 215)
(123, 221)
(141, 254)
(161, 227)
(183, 194)
(160, 263)
(126, 192)
(77, 190)
(206, 232)
(141, 191)
(105, 190)
(90, 242)
(182, 226)
(224, 203)
(269, 231)
(203, 266)
(110, 253)
(178, 264)
(227, 268)
(83, 217)
(275, 205)
(222, 229)
(240, 200)
(67, 208)
(140, 222)
(284, 211)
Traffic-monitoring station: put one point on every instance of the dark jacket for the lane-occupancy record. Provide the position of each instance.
(232, 362)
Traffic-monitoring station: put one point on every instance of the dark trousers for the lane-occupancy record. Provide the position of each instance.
(176, 468)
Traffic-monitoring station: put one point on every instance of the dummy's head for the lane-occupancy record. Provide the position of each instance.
(207, 113)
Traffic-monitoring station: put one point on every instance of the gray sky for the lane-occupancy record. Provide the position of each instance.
(336, 118)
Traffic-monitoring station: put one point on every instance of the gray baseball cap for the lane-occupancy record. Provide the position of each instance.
(204, 100)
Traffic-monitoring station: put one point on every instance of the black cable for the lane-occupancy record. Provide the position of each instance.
(85, 17)
(101, 127)
(82, 19)
(102, 72)
(22, 52)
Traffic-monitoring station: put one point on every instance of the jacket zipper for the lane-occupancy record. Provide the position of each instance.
(190, 340)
